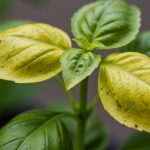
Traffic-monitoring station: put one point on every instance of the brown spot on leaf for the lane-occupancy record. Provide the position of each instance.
(118, 104)
(107, 92)
(126, 109)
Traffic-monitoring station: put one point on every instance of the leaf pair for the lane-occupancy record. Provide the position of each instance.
(31, 53)
(102, 25)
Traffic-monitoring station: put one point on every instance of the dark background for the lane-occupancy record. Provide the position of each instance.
(58, 13)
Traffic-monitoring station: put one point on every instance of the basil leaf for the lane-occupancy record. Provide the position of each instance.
(140, 44)
(137, 141)
(71, 123)
(77, 65)
(96, 135)
(105, 24)
(35, 129)
(31, 53)
(124, 88)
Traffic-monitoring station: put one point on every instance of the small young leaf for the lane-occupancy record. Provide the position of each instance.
(77, 65)
(140, 44)
(105, 24)
(35, 130)
(124, 88)
(137, 141)
(31, 53)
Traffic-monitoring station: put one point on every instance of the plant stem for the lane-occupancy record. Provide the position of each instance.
(80, 145)
(93, 104)
(68, 93)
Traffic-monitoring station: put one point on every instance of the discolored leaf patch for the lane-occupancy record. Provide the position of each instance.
(31, 53)
(124, 88)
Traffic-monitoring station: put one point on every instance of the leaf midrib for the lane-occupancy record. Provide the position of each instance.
(99, 17)
(51, 47)
(38, 41)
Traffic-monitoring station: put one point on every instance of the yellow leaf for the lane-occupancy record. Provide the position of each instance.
(31, 53)
(124, 88)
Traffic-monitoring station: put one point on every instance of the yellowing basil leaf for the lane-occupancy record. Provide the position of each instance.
(31, 53)
(124, 88)
(105, 24)
(77, 65)
(141, 44)
(36, 130)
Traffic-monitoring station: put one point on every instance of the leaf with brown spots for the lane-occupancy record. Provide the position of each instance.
(125, 80)
(31, 53)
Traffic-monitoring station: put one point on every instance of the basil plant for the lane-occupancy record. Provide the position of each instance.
(36, 52)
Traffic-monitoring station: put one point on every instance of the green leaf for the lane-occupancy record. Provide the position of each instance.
(96, 135)
(14, 23)
(31, 53)
(71, 123)
(37, 130)
(137, 141)
(124, 88)
(140, 44)
(76, 65)
(105, 24)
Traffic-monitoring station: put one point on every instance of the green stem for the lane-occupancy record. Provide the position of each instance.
(80, 145)
(93, 105)
(68, 93)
